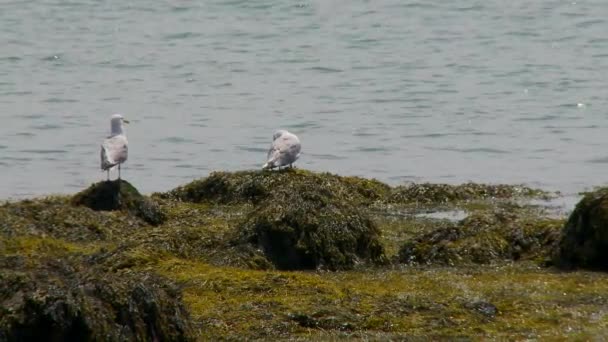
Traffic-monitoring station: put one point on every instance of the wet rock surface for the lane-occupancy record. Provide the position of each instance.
(484, 238)
(119, 195)
(584, 240)
(70, 298)
(302, 231)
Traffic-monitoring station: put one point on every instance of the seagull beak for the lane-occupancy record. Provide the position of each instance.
(125, 121)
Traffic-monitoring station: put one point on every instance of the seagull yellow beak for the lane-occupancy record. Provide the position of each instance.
(125, 121)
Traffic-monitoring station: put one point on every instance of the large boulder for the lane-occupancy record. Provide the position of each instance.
(70, 299)
(299, 219)
(584, 241)
(119, 195)
(308, 230)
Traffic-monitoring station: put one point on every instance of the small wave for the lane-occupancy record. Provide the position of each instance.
(10, 59)
(540, 118)
(59, 100)
(39, 151)
(18, 93)
(45, 127)
(589, 23)
(372, 149)
(487, 150)
(51, 58)
(176, 140)
(25, 134)
(325, 69)
(181, 35)
(305, 124)
(252, 149)
(133, 66)
(326, 156)
(603, 160)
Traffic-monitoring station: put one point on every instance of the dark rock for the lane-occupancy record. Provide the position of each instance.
(485, 309)
(327, 319)
(584, 241)
(119, 195)
(68, 299)
(298, 232)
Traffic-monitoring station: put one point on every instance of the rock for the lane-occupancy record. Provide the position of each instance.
(486, 309)
(70, 299)
(119, 195)
(584, 241)
(311, 229)
(484, 238)
(300, 219)
(427, 193)
(255, 186)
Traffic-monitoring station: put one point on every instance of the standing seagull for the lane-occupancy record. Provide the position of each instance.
(285, 150)
(114, 148)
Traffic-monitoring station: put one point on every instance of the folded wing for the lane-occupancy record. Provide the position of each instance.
(114, 151)
(283, 151)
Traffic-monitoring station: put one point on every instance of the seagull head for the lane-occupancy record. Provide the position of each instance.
(278, 134)
(117, 121)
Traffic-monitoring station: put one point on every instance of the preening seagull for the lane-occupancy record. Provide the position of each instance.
(285, 150)
(114, 148)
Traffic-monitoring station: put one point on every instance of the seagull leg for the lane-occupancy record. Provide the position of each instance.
(108, 174)
(118, 171)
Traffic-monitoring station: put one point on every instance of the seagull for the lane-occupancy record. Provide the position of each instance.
(285, 150)
(114, 148)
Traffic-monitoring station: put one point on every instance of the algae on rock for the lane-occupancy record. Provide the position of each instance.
(303, 231)
(119, 195)
(427, 193)
(70, 298)
(299, 219)
(584, 241)
(255, 186)
(485, 237)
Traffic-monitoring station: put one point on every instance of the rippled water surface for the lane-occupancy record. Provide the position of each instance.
(492, 91)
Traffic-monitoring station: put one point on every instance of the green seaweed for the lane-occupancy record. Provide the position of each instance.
(306, 231)
(255, 186)
(427, 193)
(486, 237)
(69, 297)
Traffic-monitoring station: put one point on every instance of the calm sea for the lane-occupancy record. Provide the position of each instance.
(441, 91)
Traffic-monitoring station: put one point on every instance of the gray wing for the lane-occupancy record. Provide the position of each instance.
(114, 150)
(284, 151)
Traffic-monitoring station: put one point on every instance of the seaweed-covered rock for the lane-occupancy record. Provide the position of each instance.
(584, 241)
(68, 299)
(483, 238)
(427, 193)
(255, 186)
(56, 217)
(119, 195)
(309, 229)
